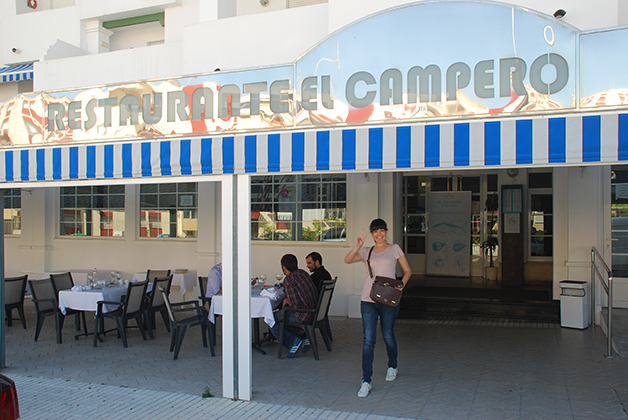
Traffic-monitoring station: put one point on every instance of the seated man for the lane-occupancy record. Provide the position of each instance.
(214, 281)
(318, 273)
(300, 293)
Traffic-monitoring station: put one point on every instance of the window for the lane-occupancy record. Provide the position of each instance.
(414, 224)
(169, 210)
(13, 211)
(541, 214)
(299, 207)
(92, 210)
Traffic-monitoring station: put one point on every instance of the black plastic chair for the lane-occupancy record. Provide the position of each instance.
(45, 300)
(155, 303)
(202, 285)
(64, 281)
(14, 288)
(131, 308)
(318, 320)
(196, 316)
(151, 275)
(331, 337)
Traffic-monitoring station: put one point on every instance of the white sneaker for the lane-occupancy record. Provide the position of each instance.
(391, 374)
(364, 390)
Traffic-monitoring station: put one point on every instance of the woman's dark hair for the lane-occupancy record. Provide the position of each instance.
(378, 224)
(290, 262)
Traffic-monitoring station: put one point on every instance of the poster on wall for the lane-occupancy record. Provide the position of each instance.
(449, 234)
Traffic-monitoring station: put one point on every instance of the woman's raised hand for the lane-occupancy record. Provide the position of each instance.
(359, 243)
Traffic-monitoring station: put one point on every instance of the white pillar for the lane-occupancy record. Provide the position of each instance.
(236, 320)
(96, 37)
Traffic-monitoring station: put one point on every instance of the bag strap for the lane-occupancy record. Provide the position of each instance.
(368, 262)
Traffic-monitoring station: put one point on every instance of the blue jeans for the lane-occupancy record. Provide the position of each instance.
(288, 337)
(370, 313)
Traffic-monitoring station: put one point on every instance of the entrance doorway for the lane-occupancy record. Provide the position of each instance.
(417, 191)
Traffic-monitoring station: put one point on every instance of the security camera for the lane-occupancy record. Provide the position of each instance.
(559, 14)
(15, 50)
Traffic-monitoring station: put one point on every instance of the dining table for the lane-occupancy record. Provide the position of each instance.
(81, 298)
(262, 307)
(185, 280)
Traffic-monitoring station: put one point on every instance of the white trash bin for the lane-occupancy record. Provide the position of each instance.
(575, 311)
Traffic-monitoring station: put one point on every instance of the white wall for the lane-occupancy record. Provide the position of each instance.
(51, 25)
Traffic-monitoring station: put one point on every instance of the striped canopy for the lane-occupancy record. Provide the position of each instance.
(16, 73)
(556, 140)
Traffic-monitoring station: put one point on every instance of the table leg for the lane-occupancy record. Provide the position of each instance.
(256, 336)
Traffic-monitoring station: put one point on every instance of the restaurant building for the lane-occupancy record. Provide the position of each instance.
(160, 134)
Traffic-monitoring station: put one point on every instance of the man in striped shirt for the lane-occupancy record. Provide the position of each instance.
(300, 293)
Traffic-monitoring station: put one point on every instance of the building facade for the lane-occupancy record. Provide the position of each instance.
(185, 133)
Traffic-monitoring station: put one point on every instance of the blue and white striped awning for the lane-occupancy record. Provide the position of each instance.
(562, 140)
(16, 73)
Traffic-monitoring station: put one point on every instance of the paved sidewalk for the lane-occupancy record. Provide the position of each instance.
(448, 369)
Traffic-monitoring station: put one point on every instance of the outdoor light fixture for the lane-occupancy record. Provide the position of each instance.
(15, 50)
(264, 2)
(559, 14)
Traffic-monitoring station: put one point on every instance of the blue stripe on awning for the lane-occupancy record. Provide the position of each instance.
(530, 141)
(16, 73)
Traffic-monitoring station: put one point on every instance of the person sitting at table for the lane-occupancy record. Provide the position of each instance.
(318, 273)
(214, 281)
(300, 293)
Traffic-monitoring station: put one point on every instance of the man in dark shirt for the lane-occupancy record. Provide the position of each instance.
(300, 293)
(318, 273)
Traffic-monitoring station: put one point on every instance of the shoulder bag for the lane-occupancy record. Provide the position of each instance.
(384, 290)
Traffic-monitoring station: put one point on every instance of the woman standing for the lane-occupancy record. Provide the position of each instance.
(383, 259)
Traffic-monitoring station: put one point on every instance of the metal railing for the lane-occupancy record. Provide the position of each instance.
(607, 284)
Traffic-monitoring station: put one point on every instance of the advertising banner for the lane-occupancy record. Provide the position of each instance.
(449, 234)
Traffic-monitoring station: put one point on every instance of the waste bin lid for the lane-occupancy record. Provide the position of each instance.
(573, 284)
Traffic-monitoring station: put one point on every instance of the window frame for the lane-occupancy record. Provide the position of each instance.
(177, 208)
(60, 209)
(549, 191)
(13, 197)
(296, 224)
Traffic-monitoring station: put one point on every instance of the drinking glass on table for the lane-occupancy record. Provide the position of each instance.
(262, 280)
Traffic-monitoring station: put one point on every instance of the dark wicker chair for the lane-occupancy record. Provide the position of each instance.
(184, 315)
(45, 300)
(14, 288)
(155, 303)
(131, 308)
(318, 320)
(151, 275)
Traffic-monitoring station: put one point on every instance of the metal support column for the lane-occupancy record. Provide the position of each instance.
(236, 319)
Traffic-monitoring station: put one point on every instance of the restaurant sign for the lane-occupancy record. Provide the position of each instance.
(416, 62)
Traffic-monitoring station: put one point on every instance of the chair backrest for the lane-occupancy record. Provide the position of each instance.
(44, 294)
(14, 288)
(166, 300)
(202, 285)
(62, 281)
(324, 298)
(135, 297)
(156, 299)
(151, 275)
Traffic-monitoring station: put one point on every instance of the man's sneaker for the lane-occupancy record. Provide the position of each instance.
(391, 374)
(365, 388)
(295, 348)
(306, 345)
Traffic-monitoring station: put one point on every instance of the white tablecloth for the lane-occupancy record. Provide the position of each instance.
(261, 307)
(186, 281)
(87, 300)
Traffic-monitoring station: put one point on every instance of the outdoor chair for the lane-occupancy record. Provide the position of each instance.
(202, 285)
(318, 320)
(331, 337)
(184, 315)
(132, 307)
(151, 275)
(45, 300)
(64, 281)
(14, 288)
(207, 302)
(155, 303)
